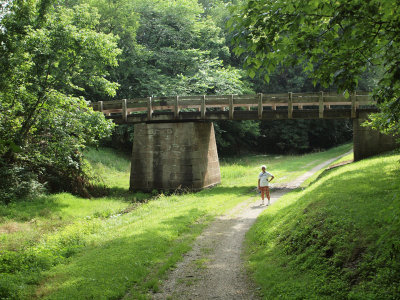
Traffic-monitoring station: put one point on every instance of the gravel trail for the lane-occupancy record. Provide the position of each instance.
(213, 269)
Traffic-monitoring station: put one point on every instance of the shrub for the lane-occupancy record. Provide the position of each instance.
(19, 182)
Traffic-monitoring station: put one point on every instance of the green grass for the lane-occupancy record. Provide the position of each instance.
(111, 166)
(66, 247)
(337, 239)
(244, 170)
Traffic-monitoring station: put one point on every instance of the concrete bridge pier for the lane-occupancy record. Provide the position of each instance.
(167, 156)
(369, 142)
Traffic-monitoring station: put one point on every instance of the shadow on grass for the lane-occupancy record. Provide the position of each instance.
(132, 263)
(44, 207)
(129, 267)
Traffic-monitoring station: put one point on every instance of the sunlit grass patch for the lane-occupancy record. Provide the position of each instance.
(336, 237)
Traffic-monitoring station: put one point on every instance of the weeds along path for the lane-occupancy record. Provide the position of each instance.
(213, 269)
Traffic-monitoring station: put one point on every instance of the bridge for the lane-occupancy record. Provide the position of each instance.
(236, 107)
(174, 141)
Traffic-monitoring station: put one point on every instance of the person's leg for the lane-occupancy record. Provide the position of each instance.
(262, 189)
(267, 194)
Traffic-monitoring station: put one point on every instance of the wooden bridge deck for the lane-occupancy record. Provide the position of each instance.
(236, 107)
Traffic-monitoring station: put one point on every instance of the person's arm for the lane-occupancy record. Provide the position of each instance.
(272, 177)
(258, 183)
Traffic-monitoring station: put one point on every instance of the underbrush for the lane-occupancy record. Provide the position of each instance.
(338, 239)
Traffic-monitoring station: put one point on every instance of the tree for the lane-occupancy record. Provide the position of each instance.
(49, 56)
(334, 41)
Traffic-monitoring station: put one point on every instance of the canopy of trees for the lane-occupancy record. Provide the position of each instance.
(56, 56)
(336, 42)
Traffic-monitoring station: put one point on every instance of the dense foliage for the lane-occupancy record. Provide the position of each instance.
(48, 57)
(57, 55)
(334, 41)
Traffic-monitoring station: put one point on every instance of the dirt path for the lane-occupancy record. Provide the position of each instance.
(213, 269)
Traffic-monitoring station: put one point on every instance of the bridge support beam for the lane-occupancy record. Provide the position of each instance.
(368, 142)
(167, 156)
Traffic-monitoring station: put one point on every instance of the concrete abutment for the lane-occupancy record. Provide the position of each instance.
(168, 156)
(368, 142)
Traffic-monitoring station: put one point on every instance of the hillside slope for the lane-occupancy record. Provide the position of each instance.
(338, 238)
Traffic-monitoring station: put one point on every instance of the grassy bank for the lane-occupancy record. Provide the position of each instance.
(337, 239)
(66, 247)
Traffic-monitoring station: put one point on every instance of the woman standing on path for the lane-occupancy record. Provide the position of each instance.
(263, 183)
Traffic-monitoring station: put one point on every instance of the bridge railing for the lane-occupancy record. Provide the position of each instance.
(176, 104)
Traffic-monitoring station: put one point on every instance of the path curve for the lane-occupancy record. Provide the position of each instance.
(213, 269)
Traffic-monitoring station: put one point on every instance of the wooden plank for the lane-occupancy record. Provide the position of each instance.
(307, 94)
(108, 111)
(290, 106)
(136, 105)
(184, 98)
(203, 108)
(222, 102)
(124, 110)
(176, 107)
(163, 107)
(231, 108)
(245, 97)
(305, 100)
(321, 105)
(217, 97)
(280, 99)
(283, 100)
(337, 98)
(260, 106)
(283, 95)
(136, 109)
(149, 109)
(116, 104)
(246, 101)
(189, 102)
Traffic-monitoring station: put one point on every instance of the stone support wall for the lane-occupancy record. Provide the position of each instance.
(167, 156)
(368, 142)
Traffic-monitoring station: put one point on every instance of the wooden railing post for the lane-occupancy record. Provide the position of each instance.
(231, 108)
(124, 110)
(149, 109)
(100, 106)
(353, 98)
(273, 107)
(260, 106)
(176, 108)
(203, 107)
(290, 106)
(321, 105)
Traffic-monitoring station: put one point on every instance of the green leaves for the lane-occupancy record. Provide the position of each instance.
(49, 61)
(338, 39)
